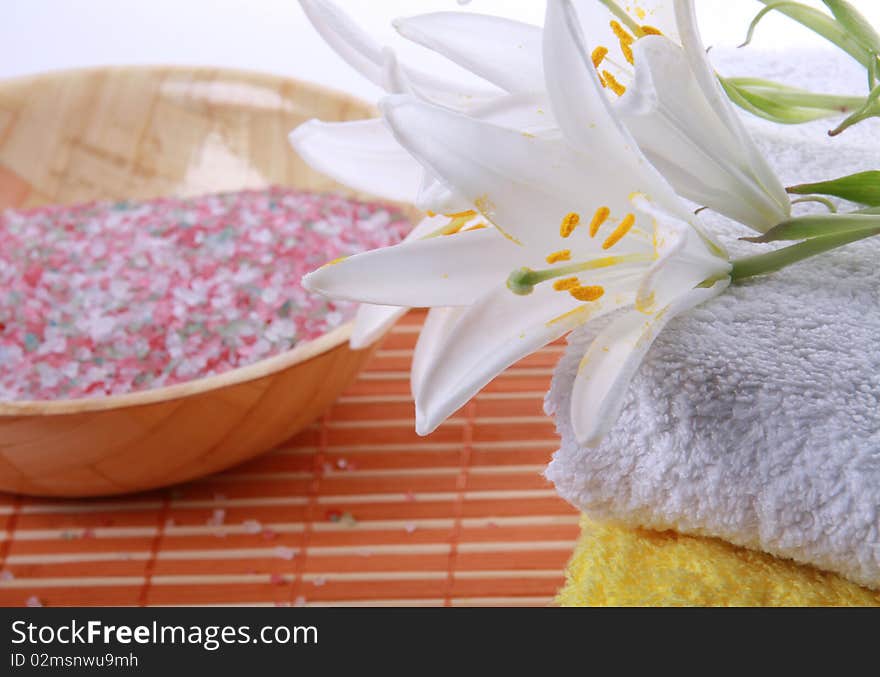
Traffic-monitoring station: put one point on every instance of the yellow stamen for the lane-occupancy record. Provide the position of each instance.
(431, 214)
(455, 225)
(566, 284)
(587, 294)
(628, 53)
(562, 255)
(569, 223)
(600, 217)
(641, 13)
(479, 226)
(626, 41)
(598, 56)
(461, 215)
(650, 30)
(611, 81)
(620, 232)
(622, 34)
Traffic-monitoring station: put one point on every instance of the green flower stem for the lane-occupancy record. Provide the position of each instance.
(781, 258)
(818, 200)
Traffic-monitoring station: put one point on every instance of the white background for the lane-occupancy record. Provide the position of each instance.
(273, 35)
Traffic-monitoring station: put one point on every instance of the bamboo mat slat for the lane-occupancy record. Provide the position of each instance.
(356, 510)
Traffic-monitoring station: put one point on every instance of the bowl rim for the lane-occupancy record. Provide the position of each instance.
(252, 372)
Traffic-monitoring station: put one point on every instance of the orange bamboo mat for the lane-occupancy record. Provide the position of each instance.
(356, 510)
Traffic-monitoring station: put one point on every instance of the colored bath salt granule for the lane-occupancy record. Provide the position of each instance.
(115, 297)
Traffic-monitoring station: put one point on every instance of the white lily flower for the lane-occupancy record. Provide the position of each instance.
(650, 55)
(584, 226)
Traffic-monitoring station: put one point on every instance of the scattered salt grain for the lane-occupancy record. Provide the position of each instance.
(6, 576)
(217, 518)
(410, 527)
(252, 527)
(319, 582)
(300, 601)
(33, 601)
(285, 553)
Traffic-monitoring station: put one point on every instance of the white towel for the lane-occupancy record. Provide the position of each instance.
(756, 417)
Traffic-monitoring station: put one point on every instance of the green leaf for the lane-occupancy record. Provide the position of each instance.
(863, 188)
(854, 22)
(823, 25)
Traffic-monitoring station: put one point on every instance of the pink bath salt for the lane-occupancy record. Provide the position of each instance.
(110, 298)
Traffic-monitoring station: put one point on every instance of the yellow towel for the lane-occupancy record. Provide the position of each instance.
(616, 566)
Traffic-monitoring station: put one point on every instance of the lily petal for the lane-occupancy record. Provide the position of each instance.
(435, 196)
(613, 359)
(372, 322)
(435, 331)
(524, 185)
(439, 271)
(584, 113)
(363, 54)
(495, 333)
(705, 76)
(681, 133)
(685, 259)
(343, 150)
(527, 113)
(504, 52)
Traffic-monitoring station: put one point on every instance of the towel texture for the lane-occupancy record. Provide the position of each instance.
(756, 417)
(616, 566)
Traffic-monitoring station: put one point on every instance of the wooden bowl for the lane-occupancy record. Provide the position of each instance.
(140, 133)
